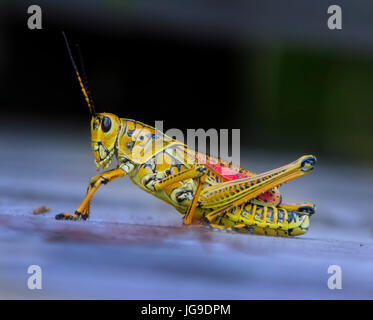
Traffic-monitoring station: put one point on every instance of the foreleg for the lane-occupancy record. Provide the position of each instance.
(82, 212)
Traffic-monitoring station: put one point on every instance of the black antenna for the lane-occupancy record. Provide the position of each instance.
(84, 76)
(87, 96)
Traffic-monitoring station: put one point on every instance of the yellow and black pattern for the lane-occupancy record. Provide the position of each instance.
(201, 187)
(264, 220)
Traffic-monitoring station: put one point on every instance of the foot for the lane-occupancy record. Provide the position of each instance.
(308, 163)
(68, 216)
(310, 209)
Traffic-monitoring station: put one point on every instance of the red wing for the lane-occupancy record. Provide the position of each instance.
(232, 172)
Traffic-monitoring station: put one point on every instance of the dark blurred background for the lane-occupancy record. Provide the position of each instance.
(271, 68)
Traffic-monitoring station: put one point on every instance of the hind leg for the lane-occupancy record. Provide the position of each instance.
(224, 196)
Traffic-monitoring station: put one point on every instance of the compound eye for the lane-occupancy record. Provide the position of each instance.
(106, 124)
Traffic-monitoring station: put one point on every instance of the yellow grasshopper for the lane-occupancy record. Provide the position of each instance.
(206, 190)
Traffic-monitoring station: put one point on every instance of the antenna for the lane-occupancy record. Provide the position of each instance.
(84, 87)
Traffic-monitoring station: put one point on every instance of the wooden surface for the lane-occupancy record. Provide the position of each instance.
(134, 247)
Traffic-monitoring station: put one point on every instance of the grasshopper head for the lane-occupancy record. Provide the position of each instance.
(104, 126)
(104, 132)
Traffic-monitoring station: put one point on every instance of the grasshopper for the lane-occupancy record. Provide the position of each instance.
(206, 190)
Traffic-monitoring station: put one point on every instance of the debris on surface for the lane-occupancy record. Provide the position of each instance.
(42, 209)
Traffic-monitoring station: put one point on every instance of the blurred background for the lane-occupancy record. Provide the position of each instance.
(270, 68)
(254, 65)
